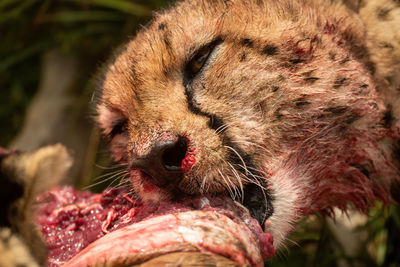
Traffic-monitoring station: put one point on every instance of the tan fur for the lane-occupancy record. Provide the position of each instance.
(302, 87)
(21, 244)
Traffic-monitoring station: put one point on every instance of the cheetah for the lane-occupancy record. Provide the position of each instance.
(290, 107)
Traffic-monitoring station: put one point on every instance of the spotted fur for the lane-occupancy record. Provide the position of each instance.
(294, 97)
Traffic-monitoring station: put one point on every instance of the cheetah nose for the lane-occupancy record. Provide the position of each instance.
(164, 162)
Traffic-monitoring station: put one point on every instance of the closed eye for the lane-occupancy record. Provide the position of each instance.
(119, 128)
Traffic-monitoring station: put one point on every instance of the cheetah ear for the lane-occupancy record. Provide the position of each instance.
(24, 176)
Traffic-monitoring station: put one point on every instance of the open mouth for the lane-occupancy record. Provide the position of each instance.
(114, 228)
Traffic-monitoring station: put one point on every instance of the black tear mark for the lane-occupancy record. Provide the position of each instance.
(311, 79)
(338, 110)
(388, 117)
(296, 60)
(270, 50)
(161, 26)
(214, 122)
(382, 13)
(275, 88)
(242, 57)
(247, 42)
(339, 82)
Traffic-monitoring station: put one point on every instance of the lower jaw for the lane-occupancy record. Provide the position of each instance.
(122, 231)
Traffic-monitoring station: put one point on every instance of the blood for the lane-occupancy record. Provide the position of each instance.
(71, 220)
(189, 160)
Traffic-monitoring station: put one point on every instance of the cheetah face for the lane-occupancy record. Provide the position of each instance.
(272, 103)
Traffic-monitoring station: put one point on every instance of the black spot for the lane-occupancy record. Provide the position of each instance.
(340, 81)
(270, 50)
(275, 88)
(332, 55)
(5, 240)
(382, 13)
(343, 61)
(338, 110)
(301, 102)
(311, 79)
(278, 114)
(242, 57)
(161, 26)
(296, 60)
(364, 85)
(351, 118)
(307, 73)
(388, 117)
(387, 45)
(167, 40)
(205, 228)
(247, 42)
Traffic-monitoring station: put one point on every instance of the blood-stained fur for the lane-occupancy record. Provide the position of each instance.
(299, 98)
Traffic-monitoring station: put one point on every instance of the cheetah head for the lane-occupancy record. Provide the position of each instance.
(272, 102)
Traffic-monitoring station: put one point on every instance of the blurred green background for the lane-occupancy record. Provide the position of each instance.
(63, 44)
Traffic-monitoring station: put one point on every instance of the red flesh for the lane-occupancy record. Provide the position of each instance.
(72, 220)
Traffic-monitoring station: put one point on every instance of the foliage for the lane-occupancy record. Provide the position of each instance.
(28, 28)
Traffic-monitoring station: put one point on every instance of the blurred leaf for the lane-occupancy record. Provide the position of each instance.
(15, 12)
(83, 16)
(23, 54)
(124, 6)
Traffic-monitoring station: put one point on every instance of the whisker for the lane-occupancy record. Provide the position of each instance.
(231, 193)
(111, 167)
(203, 183)
(252, 144)
(239, 156)
(236, 174)
(256, 180)
(117, 174)
(118, 178)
